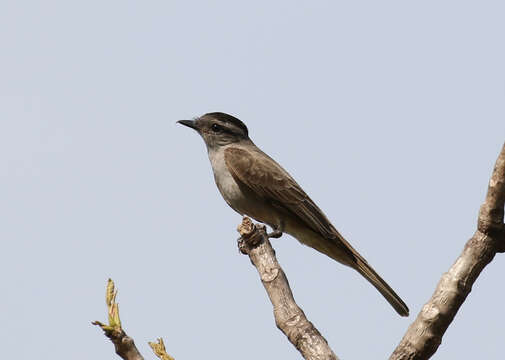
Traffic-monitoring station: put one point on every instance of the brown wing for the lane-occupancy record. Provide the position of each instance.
(270, 181)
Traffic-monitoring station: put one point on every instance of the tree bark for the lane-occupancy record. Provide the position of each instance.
(289, 318)
(424, 335)
(124, 345)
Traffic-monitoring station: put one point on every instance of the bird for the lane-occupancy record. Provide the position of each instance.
(255, 185)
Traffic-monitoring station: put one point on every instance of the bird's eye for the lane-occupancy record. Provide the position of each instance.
(216, 128)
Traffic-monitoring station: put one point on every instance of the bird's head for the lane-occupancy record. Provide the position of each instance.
(218, 129)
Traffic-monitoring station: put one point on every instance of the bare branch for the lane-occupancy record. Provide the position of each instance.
(424, 335)
(123, 344)
(289, 318)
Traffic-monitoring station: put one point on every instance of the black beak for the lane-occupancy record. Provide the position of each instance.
(189, 123)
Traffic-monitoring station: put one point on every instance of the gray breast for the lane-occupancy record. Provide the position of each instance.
(242, 200)
(225, 182)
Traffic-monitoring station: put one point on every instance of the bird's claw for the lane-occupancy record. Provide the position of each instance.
(274, 234)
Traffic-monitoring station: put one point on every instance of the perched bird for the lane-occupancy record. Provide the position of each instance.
(253, 184)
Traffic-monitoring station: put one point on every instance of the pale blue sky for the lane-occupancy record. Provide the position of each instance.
(390, 114)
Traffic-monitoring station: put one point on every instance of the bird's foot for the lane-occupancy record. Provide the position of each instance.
(277, 231)
(275, 234)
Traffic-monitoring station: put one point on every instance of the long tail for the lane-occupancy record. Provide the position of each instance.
(368, 273)
(340, 250)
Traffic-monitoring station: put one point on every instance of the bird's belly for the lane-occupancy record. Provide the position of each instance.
(302, 233)
(318, 242)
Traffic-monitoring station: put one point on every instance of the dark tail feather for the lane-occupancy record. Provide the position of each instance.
(340, 250)
(366, 270)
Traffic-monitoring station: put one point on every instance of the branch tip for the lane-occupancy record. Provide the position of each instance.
(251, 235)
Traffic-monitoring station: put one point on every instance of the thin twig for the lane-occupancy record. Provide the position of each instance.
(123, 344)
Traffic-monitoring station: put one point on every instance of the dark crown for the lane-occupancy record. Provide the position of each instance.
(229, 119)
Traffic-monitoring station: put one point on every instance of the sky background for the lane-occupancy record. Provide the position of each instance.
(389, 114)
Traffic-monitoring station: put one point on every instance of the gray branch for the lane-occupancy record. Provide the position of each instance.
(289, 318)
(424, 335)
